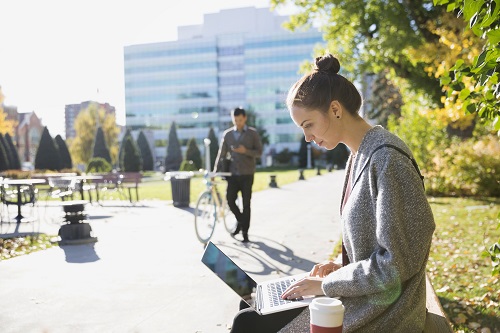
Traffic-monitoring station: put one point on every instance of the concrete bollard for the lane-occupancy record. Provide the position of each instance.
(272, 182)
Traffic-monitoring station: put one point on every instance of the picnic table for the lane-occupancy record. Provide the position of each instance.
(19, 184)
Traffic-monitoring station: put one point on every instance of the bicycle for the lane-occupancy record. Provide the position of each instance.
(212, 207)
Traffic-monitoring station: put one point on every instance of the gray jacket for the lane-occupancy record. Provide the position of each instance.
(241, 164)
(387, 229)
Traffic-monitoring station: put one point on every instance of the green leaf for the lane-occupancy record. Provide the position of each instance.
(471, 7)
(464, 94)
(477, 31)
(457, 65)
(496, 126)
(445, 80)
(451, 7)
(489, 96)
(480, 59)
(495, 248)
(493, 36)
(471, 108)
(457, 86)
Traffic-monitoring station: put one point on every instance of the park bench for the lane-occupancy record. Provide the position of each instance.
(130, 181)
(109, 181)
(436, 320)
(124, 183)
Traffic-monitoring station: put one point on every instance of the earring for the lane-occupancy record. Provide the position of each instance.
(338, 117)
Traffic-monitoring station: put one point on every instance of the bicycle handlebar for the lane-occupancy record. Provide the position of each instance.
(188, 174)
(214, 174)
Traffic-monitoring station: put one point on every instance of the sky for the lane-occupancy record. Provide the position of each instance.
(59, 52)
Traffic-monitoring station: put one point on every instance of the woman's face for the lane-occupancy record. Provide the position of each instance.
(317, 126)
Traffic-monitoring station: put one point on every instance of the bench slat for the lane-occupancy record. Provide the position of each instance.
(436, 320)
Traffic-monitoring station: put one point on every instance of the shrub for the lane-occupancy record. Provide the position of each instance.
(131, 160)
(66, 161)
(145, 151)
(466, 168)
(193, 153)
(98, 164)
(173, 159)
(284, 156)
(100, 146)
(47, 156)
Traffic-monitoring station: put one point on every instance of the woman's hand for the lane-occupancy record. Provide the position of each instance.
(323, 269)
(308, 286)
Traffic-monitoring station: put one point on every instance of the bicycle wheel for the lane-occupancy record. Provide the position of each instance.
(230, 221)
(205, 217)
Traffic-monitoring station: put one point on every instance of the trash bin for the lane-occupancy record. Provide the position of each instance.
(181, 188)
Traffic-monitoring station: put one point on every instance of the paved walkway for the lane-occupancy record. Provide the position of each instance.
(144, 274)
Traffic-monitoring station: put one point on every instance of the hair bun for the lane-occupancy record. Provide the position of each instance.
(328, 64)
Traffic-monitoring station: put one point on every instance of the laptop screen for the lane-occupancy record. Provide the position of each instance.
(228, 272)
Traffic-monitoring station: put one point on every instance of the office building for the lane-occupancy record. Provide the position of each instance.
(237, 57)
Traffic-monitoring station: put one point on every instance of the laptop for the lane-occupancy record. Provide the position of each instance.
(264, 297)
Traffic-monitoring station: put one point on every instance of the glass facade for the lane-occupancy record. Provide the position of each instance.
(196, 82)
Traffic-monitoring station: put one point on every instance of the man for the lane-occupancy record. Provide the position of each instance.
(242, 143)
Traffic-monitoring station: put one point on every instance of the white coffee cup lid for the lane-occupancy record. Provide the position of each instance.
(326, 304)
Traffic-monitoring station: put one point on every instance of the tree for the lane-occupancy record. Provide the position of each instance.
(4, 159)
(480, 93)
(145, 151)
(127, 134)
(213, 147)
(100, 147)
(6, 126)
(98, 164)
(47, 156)
(86, 124)
(8, 153)
(303, 154)
(338, 156)
(14, 160)
(385, 100)
(66, 162)
(173, 159)
(131, 158)
(370, 36)
(253, 121)
(193, 153)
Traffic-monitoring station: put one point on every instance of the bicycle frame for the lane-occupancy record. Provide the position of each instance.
(219, 208)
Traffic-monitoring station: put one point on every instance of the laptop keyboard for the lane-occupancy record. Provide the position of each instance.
(276, 289)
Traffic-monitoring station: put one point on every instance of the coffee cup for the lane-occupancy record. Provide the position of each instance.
(327, 315)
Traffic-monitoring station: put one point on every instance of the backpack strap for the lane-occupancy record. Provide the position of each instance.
(399, 150)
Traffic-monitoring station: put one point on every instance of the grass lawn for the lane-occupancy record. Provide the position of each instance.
(462, 278)
(155, 188)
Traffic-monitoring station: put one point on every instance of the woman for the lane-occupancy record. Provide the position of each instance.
(387, 221)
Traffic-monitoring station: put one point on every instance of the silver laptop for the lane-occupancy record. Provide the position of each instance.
(264, 297)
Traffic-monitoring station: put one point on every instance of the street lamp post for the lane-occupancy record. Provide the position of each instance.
(207, 141)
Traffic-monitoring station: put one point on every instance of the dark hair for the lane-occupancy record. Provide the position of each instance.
(238, 111)
(323, 85)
